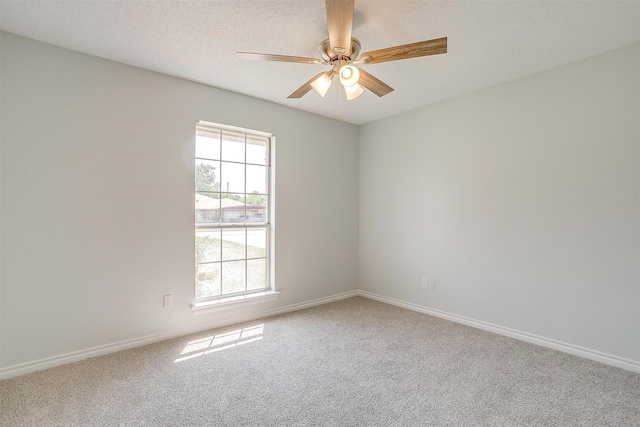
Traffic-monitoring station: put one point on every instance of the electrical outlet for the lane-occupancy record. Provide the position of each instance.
(432, 284)
(167, 300)
(425, 283)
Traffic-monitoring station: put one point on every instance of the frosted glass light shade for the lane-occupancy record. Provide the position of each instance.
(349, 75)
(353, 91)
(321, 85)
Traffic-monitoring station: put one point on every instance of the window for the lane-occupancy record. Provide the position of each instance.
(232, 216)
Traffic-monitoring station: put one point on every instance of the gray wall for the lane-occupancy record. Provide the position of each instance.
(521, 200)
(97, 200)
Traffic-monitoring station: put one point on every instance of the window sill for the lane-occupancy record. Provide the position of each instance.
(233, 302)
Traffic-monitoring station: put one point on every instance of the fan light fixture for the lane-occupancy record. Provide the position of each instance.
(353, 91)
(349, 75)
(321, 85)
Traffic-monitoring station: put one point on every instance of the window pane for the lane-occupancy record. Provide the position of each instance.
(208, 145)
(256, 208)
(207, 280)
(208, 246)
(256, 274)
(233, 146)
(233, 208)
(233, 279)
(207, 175)
(233, 244)
(257, 149)
(207, 207)
(232, 178)
(256, 242)
(256, 179)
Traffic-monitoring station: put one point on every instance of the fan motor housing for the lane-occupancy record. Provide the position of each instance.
(329, 55)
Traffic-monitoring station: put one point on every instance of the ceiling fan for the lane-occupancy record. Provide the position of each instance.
(341, 51)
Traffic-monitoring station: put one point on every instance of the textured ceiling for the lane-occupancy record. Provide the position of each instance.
(489, 42)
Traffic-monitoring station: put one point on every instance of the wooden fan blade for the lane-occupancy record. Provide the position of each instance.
(282, 58)
(302, 90)
(374, 84)
(339, 23)
(405, 51)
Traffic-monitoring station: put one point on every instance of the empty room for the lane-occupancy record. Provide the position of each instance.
(319, 213)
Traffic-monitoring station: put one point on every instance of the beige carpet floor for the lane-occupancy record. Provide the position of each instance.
(354, 362)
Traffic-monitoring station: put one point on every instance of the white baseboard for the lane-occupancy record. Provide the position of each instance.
(608, 359)
(63, 359)
(50, 362)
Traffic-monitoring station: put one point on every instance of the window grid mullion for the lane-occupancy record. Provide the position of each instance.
(233, 294)
(246, 230)
(220, 211)
(231, 260)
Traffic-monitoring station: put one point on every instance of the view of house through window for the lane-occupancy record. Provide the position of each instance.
(232, 174)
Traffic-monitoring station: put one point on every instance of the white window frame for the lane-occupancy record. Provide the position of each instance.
(226, 301)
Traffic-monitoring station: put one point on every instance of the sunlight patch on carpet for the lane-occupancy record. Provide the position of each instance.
(219, 342)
